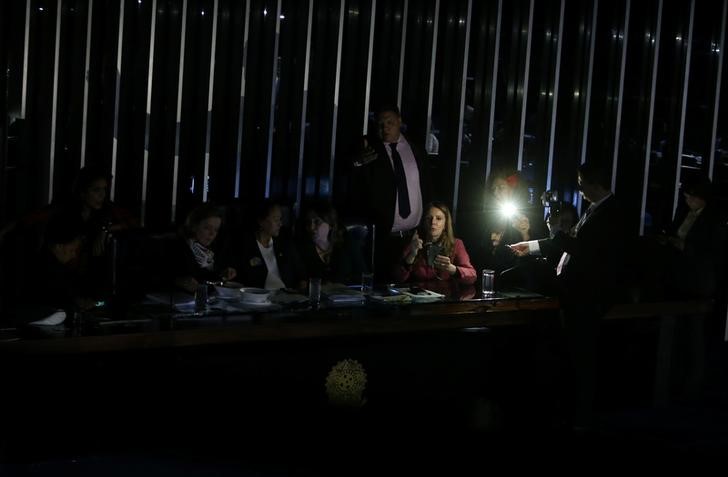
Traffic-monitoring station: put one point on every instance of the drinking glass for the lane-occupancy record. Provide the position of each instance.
(487, 282)
(201, 297)
(314, 291)
(367, 282)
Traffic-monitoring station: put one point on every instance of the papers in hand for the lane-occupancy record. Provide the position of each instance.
(55, 318)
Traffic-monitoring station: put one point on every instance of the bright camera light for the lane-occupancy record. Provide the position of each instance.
(508, 210)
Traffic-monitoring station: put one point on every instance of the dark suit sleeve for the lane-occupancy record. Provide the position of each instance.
(361, 176)
(402, 270)
(356, 204)
(249, 263)
(292, 269)
(593, 250)
(597, 253)
(425, 176)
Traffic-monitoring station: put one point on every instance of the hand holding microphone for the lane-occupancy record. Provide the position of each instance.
(443, 262)
(416, 245)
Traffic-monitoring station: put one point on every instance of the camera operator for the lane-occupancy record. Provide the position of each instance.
(509, 218)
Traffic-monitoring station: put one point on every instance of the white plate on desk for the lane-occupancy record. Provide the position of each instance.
(229, 290)
(255, 296)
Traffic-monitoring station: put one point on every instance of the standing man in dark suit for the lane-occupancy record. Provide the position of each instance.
(389, 175)
(587, 276)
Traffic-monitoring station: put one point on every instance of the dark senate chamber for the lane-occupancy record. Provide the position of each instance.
(361, 237)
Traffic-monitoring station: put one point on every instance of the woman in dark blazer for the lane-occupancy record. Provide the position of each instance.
(326, 249)
(267, 260)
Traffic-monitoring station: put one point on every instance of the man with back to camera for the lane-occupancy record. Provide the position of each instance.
(390, 173)
(587, 275)
(561, 219)
(57, 283)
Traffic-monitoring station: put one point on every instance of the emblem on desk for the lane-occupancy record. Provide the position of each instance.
(345, 384)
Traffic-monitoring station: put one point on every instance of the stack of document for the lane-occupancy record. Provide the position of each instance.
(420, 295)
(392, 299)
(344, 296)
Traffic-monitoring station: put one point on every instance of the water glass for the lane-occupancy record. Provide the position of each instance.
(367, 282)
(314, 291)
(488, 281)
(201, 297)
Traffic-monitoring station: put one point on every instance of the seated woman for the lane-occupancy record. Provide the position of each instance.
(98, 217)
(440, 256)
(193, 260)
(325, 247)
(266, 260)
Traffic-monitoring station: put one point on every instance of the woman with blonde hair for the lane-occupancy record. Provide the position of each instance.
(193, 257)
(434, 253)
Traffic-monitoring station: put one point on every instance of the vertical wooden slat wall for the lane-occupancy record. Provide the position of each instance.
(187, 100)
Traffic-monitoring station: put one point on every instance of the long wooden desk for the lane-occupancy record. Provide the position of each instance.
(163, 331)
(265, 373)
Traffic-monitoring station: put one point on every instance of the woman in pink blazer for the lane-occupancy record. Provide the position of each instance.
(434, 253)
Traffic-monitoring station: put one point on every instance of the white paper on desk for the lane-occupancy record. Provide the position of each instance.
(221, 307)
(175, 298)
(346, 298)
(287, 298)
(338, 293)
(56, 318)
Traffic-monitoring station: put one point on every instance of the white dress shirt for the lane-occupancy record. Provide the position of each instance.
(412, 173)
(273, 280)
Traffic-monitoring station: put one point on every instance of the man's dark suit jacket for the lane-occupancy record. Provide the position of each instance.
(591, 275)
(374, 188)
(252, 270)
